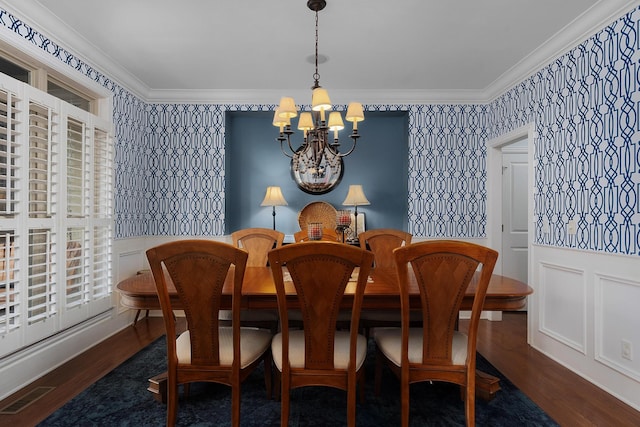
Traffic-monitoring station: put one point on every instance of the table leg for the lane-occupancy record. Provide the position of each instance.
(486, 385)
(158, 386)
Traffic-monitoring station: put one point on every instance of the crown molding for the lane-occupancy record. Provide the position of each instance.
(45, 22)
(601, 14)
(303, 97)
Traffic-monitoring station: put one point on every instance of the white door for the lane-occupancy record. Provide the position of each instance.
(515, 231)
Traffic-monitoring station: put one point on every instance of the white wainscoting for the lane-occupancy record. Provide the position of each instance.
(583, 306)
(617, 319)
(562, 304)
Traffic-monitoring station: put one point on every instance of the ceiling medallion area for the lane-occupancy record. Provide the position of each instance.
(317, 164)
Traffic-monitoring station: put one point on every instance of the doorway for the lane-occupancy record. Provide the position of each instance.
(515, 225)
(518, 141)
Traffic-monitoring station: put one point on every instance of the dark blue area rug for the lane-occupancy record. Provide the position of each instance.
(121, 399)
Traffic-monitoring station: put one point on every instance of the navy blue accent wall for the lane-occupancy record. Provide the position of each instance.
(254, 161)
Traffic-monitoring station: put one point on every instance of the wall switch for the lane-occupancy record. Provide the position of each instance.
(545, 225)
(571, 227)
(627, 350)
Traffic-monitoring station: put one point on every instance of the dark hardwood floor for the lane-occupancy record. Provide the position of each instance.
(569, 399)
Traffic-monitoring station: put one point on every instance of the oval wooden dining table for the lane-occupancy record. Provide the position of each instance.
(258, 292)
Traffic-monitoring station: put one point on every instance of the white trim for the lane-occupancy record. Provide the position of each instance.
(60, 33)
(494, 191)
(603, 13)
(616, 362)
(16, 45)
(598, 16)
(272, 96)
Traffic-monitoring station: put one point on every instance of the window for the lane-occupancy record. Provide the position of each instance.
(14, 70)
(56, 203)
(47, 80)
(67, 95)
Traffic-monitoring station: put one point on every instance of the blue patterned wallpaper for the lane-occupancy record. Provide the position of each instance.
(585, 109)
(169, 174)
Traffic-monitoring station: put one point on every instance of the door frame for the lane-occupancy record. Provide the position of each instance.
(494, 190)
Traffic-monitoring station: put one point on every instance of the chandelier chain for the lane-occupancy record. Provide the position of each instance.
(316, 75)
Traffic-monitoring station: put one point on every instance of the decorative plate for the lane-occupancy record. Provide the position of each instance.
(318, 212)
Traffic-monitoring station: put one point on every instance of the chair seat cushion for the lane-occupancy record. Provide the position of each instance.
(253, 343)
(296, 349)
(389, 341)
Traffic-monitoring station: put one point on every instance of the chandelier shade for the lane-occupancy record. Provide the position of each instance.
(287, 108)
(316, 163)
(355, 114)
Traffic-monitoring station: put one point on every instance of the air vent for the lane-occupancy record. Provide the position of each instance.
(26, 400)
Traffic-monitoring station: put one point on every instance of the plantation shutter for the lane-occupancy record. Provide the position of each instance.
(10, 297)
(42, 286)
(56, 215)
(102, 211)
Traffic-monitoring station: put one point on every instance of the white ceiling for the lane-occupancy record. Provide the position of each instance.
(190, 48)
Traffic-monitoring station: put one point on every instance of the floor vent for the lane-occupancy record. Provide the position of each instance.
(26, 400)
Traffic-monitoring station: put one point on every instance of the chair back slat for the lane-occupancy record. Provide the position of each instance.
(257, 242)
(443, 279)
(382, 242)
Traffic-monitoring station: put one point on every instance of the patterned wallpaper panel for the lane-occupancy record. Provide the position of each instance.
(184, 163)
(169, 174)
(587, 157)
(447, 170)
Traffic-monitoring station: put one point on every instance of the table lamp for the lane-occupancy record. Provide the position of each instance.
(355, 197)
(273, 197)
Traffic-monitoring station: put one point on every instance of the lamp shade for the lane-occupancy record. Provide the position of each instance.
(355, 196)
(335, 121)
(354, 112)
(280, 122)
(320, 100)
(273, 197)
(306, 121)
(287, 108)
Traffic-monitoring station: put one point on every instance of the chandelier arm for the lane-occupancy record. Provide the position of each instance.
(282, 147)
(353, 147)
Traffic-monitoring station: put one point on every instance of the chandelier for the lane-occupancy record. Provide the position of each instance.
(316, 165)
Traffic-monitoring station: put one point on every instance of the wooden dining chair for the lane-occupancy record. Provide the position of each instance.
(206, 351)
(328, 235)
(442, 270)
(257, 242)
(319, 354)
(382, 242)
